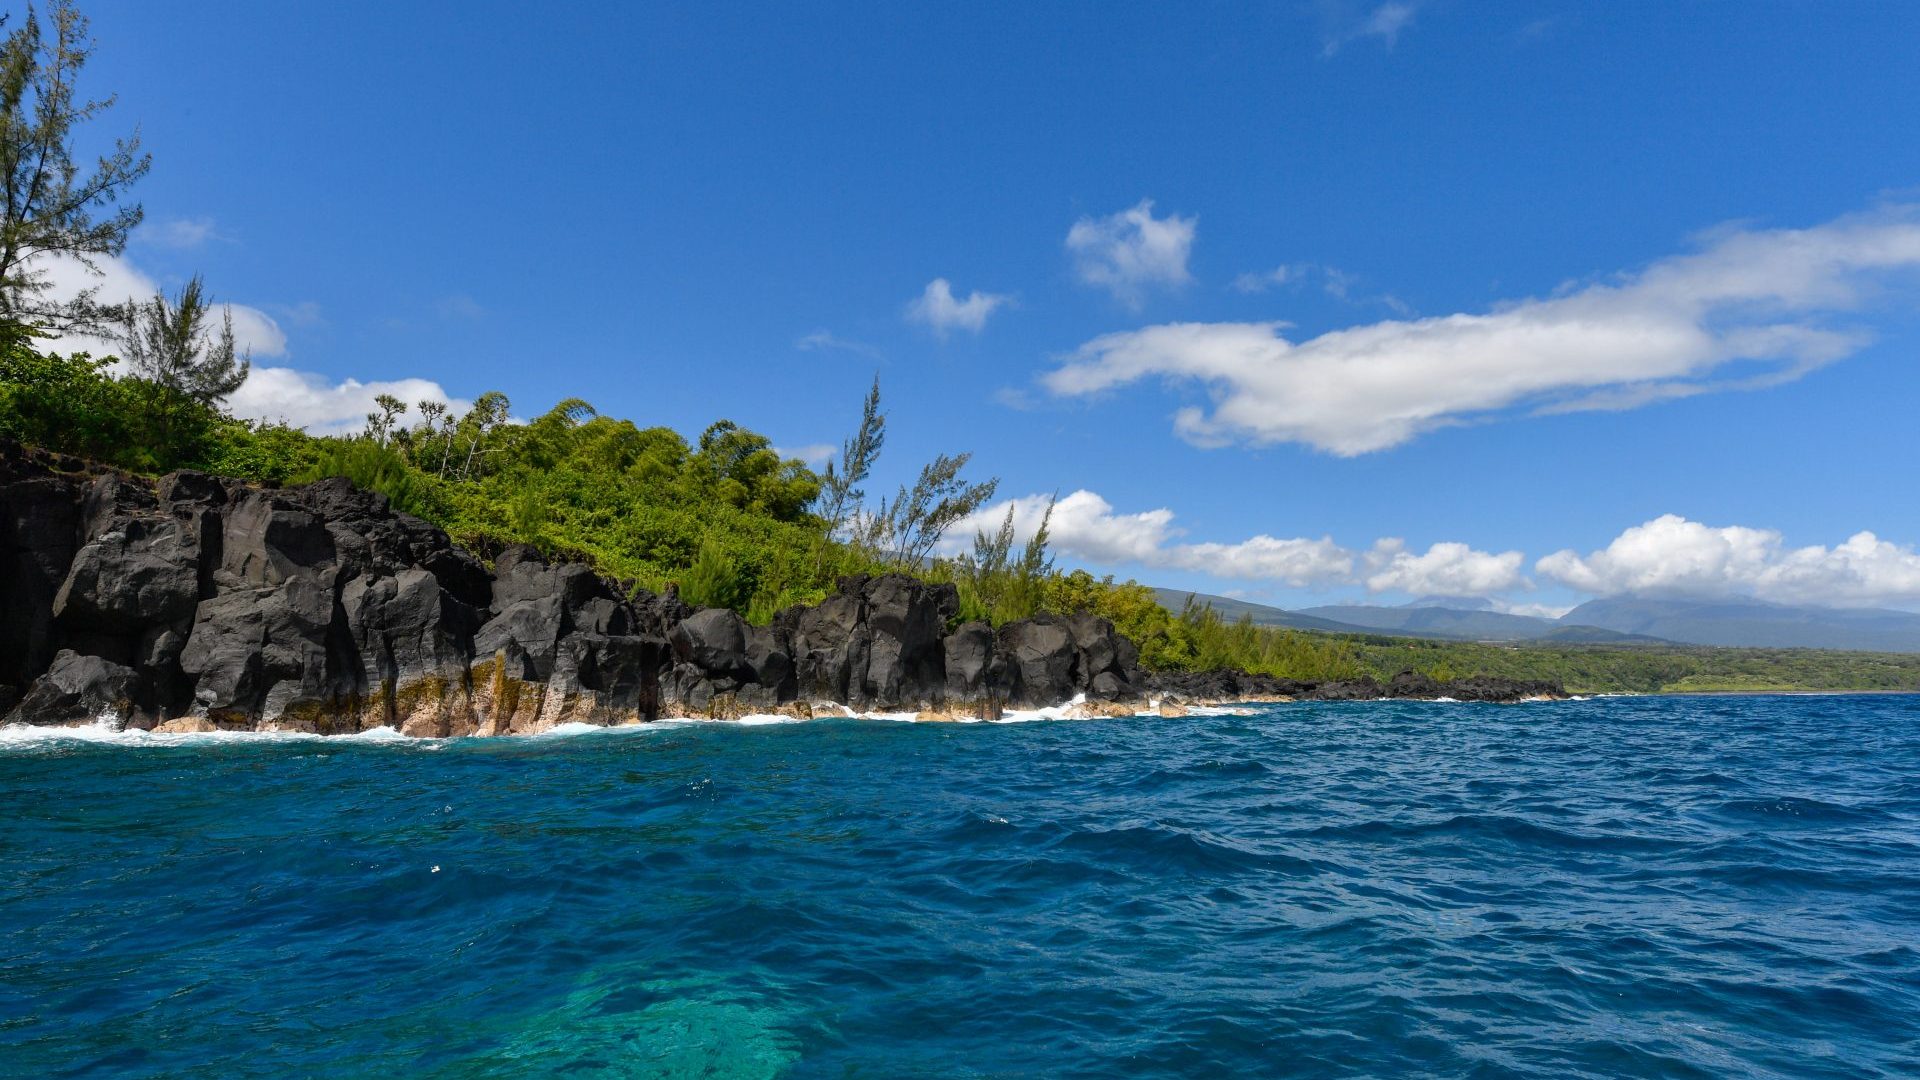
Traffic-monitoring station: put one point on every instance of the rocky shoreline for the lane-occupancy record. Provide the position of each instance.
(196, 603)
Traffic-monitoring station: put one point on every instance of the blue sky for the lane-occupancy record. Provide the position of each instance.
(1630, 282)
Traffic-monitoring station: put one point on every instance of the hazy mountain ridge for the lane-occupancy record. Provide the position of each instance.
(1734, 623)
(1753, 623)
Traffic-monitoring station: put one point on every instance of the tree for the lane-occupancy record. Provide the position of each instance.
(47, 207)
(168, 343)
(488, 413)
(430, 413)
(918, 517)
(72, 404)
(1003, 587)
(380, 424)
(841, 493)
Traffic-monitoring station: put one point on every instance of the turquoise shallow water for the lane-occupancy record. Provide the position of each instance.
(1677, 887)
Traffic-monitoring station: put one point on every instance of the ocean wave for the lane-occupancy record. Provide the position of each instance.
(1799, 811)
(1165, 848)
(108, 732)
(1504, 829)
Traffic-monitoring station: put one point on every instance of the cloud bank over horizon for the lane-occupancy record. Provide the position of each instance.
(1672, 556)
(1085, 524)
(1750, 309)
(1669, 556)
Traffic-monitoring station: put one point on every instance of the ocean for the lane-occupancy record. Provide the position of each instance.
(1724, 886)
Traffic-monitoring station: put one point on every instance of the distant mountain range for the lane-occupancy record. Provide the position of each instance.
(1747, 622)
(1621, 619)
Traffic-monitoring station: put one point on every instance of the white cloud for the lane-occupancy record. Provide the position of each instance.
(1297, 561)
(938, 308)
(1132, 251)
(1384, 22)
(1538, 611)
(308, 400)
(119, 280)
(1671, 555)
(814, 454)
(282, 394)
(1668, 331)
(822, 341)
(1085, 525)
(1445, 569)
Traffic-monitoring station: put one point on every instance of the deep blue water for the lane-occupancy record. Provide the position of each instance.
(1623, 887)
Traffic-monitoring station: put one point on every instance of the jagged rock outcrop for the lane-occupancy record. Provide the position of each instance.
(80, 690)
(200, 603)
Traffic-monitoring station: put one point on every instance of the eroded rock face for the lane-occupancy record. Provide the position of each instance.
(196, 603)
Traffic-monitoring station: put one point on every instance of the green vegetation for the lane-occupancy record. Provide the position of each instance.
(1608, 668)
(723, 518)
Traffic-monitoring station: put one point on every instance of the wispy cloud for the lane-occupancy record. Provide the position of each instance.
(1131, 252)
(939, 309)
(1384, 22)
(1335, 282)
(1750, 309)
(814, 454)
(1286, 274)
(459, 307)
(1015, 398)
(180, 234)
(823, 341)
(1537, 30)
(306, 313)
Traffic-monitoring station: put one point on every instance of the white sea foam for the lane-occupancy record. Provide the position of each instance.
(569, 730)
(378, 734)
(763, 719)
(750, 720)
(107, 731)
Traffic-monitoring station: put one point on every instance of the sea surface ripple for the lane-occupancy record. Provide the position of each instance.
(1724, 886)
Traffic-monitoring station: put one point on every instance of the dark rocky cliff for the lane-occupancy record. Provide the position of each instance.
(195, 603)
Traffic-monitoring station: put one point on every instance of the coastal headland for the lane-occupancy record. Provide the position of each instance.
(195, 603)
